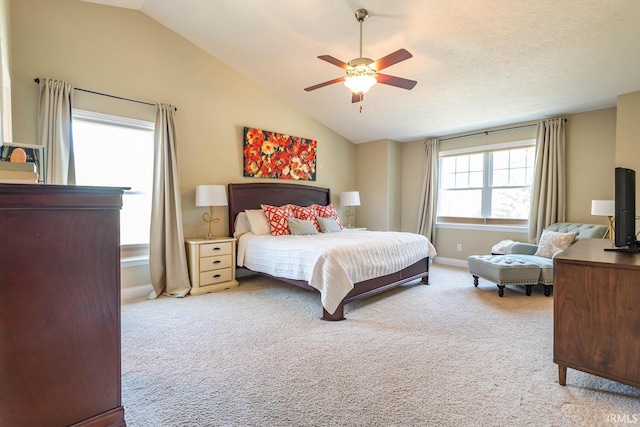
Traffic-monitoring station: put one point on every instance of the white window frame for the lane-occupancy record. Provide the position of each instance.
(484, 221)
(131, 254)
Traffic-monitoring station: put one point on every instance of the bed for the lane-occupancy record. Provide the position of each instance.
(248, 196)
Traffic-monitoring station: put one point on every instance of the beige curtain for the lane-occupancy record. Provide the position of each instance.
(167, 258)
(429, 193)
(548, 197)
(54, 131)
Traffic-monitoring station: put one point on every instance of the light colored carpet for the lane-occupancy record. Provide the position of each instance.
(448, 354)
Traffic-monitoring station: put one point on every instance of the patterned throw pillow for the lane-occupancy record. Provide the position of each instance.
(277, 217)
(552, 242)
(308, 213)
(329, 212)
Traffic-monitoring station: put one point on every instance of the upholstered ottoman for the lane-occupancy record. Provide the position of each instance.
(504, 270)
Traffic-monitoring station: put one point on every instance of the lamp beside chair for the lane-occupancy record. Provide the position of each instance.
(605, 208)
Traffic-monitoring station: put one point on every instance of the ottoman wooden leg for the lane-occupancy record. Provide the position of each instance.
(475, 280)
(528, 291)
(500, 290)
(547, 290)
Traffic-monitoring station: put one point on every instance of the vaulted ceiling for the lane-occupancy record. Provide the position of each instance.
(478, 63)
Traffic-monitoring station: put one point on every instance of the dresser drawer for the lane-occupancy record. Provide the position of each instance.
(215, 276)
(215, 262)
(213, 249)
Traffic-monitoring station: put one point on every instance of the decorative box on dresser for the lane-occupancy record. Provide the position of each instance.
(596, 315)
(60, 306)
(212, 264)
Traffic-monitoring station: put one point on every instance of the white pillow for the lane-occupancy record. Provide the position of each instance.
(258, 222)
(552, 242)
(241, 225)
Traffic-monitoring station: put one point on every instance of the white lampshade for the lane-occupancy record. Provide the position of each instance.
(350, 198)
(603, 207)
(211, 195)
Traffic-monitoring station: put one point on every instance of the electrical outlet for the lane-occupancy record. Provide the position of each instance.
(459, 247)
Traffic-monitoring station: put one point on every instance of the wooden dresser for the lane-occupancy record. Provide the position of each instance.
(596, 315)
(60, 306)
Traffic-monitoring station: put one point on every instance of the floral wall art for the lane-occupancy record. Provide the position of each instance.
(275, 155)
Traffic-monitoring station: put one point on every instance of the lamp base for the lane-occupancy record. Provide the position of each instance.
(610, 229)
(209, 219)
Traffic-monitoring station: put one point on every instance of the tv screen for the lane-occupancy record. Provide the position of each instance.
(625, 210)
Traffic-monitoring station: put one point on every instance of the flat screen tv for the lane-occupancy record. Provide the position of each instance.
(625, 210)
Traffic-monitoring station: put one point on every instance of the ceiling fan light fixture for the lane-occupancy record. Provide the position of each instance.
(360, 79)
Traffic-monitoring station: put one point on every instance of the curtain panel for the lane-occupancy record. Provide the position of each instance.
(167, 256)
(54, 131)
(548, 197)
(427, 213)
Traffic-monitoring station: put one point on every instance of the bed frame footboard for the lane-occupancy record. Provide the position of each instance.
(367, 288)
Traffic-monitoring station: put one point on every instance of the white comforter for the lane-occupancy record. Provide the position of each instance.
(333, 262)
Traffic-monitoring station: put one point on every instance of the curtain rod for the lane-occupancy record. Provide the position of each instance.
(487, 132)
(37, 80)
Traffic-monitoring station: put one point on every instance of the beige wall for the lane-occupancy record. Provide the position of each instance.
(379, 181)
(394, 207)
(628, 135)
(123, 52)
(591, 141)
(372, 175)
(5, 75)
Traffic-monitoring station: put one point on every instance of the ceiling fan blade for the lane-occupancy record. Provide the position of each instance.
(319, 85)
(393, 58)
(330, 59)
(396, 81)
(357, 97)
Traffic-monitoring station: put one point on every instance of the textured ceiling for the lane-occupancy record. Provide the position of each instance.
(478, 63)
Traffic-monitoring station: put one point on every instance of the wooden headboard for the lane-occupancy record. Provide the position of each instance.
(250, 196)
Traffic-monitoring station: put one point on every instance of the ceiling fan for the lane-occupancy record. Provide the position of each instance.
(363, 73)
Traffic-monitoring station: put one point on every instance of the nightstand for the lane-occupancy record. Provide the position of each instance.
(211, 264)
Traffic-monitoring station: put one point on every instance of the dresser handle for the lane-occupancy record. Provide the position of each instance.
(216, 249)
(217, 261)
(215, 276)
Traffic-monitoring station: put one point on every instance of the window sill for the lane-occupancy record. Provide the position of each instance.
(483, 227)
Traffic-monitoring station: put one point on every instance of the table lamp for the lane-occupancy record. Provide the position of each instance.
(604, 208)
(210, 195)
(348, 199)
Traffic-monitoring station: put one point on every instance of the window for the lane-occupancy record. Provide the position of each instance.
(487, 187)
(115, 151)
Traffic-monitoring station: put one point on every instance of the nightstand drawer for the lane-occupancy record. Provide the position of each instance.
(212, 249)
(215, 276)
(215, 262)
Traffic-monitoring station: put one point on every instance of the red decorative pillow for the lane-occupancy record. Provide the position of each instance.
(277, 217)
(328, 212)
(308, 213)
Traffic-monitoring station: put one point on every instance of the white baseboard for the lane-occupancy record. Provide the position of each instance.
(462, 263)
(135, 292)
